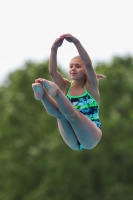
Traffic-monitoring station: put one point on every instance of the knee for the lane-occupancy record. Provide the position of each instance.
(74, 116)
(93, 144)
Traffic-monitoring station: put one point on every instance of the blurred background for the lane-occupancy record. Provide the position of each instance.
(35, 163)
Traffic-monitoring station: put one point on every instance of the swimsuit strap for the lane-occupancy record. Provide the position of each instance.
(71, 84)
(90, 95)
(70, 87)
(85, 88)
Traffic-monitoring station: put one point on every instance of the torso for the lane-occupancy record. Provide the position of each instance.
(76, 92)
(84, 102)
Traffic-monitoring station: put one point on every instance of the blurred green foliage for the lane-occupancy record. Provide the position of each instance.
(35, 163)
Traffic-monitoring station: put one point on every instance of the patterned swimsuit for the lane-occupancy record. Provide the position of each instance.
(87, 105)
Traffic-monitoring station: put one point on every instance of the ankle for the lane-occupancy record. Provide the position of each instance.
(57, 91)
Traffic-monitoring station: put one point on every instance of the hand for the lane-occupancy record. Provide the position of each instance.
(70, 38)
(58, 42)
(39, 80)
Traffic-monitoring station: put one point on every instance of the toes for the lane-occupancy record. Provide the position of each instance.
(37, 87)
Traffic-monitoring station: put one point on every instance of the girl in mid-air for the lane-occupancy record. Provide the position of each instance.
(74, 103)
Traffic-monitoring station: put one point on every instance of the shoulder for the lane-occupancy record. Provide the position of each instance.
(67, 85)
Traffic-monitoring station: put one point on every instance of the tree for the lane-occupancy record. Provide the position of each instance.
(35, 163)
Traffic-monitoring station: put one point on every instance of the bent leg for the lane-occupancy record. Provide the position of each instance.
(49, 103)
(87, 133)
(51, 107)
(68, 134)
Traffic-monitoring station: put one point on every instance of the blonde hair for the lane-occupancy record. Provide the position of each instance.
(99, 76)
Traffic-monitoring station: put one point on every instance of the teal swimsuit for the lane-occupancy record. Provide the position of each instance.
(86, 104)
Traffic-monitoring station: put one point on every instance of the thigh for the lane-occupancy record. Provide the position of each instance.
(87, 132)
(68, 133)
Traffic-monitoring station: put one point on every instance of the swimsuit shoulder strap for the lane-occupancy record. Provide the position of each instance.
(90, 95)
(69, 87)
(85, 88)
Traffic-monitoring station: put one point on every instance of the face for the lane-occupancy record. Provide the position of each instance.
(76, 69)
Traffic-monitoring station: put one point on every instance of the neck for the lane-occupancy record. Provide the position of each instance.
(78, 84)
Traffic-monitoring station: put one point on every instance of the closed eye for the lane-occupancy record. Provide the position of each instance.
(78, 66)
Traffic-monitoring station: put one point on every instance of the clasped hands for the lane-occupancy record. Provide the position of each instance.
(58, 42)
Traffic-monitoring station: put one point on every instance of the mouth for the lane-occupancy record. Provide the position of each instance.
(73, 73)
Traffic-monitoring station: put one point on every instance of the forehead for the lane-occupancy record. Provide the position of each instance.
(76, 61)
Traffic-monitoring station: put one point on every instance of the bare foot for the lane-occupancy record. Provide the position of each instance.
(51, 87)
(38, 90)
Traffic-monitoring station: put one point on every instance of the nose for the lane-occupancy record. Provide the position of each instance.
(73, 68)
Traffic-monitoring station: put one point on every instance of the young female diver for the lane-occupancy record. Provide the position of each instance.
(74, 103)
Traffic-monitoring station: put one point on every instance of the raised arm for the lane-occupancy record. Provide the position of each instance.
(92, 78)
(56, 76)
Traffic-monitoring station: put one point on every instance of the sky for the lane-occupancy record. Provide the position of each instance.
(28, 29)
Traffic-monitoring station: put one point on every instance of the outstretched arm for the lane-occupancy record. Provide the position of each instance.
(92, 78)
(56, 76)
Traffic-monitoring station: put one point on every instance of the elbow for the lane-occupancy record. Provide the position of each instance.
(51, 73)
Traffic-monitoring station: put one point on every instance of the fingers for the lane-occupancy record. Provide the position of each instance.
(62, 37)
(39, 80)
(59, 39)
(66, 35)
